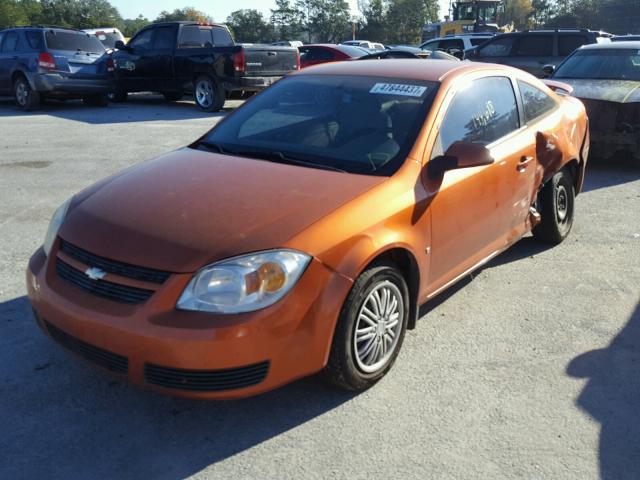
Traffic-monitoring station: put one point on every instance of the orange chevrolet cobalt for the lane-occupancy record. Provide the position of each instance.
(302, 232)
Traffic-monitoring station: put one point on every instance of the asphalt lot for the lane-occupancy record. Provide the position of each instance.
(527, 370)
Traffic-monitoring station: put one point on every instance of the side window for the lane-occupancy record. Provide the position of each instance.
(534, 46)
(10, 42)
(143, 40)
(536, 102)
(193, 36)
(477, 41)
(431, 46)
(455, 44)
(34, 38)
(1, 37)
(568, 43)
(163, 38)
(500, 47)
(221, 37)
(482, 113)
(322, 54)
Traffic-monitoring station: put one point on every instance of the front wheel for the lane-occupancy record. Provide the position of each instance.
(556, 205)
(370, 330)
(208, 95)
(26, 98)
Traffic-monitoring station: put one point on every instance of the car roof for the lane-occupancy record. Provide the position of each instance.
(632, 45)
(409, 69)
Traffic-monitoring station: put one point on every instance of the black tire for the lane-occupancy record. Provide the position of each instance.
(555, 203)
(119, 95)
(172, 96)
(344, 368)
(208, 94)
(25, 97)
(99, 100)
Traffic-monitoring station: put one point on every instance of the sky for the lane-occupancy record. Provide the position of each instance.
(218, 9)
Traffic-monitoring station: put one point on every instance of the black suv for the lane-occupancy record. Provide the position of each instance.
(54, 62)
(531, 50)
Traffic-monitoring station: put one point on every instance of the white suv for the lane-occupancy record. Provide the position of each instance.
(456, 44)
(364, 44)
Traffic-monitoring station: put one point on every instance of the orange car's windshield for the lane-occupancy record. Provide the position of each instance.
(356, 124)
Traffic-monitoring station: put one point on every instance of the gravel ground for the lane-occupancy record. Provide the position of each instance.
(527, 370)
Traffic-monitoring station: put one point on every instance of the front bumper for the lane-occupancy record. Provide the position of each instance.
(192, 354)
(60, 84)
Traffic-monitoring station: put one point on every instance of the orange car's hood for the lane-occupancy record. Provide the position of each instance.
(188, 208)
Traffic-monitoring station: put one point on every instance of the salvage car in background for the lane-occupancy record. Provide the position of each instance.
(373, 186)
(176, 58)
(607, 79)
(107, 36)
(325, 53)
(530, 50)
(37, 63)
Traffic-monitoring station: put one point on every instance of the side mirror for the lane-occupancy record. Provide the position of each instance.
(548, 70)
(459, 155)
(120, 45)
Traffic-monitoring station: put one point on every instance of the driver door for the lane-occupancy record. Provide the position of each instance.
(474, 209)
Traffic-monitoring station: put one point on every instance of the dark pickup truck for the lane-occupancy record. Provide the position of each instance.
(176, 58)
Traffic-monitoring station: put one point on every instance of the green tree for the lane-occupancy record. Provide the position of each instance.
(287, 20)
(80, 13)
(325, 20)
(517, 12)
(133, 25)
(180, 14)
(249, 26)
(405, 19)
(374, 20)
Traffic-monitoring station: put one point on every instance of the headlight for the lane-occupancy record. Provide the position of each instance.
(245, 283)
(54, 226)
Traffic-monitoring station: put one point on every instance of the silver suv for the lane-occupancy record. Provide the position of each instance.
(456, 44)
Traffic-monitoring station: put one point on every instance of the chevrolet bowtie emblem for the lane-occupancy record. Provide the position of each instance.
(95, 273)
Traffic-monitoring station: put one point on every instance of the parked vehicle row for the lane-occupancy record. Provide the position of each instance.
(301, 234)
(173, 58)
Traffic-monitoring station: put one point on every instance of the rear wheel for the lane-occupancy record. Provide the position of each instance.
(99, 100)
(555, 204)
(26, 98)
(172, 96)
(370, 330)
(208, 95)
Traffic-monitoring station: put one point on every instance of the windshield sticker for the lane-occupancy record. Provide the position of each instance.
(398, 89)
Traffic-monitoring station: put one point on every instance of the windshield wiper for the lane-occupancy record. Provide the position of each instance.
(214, 147)
(286, 158)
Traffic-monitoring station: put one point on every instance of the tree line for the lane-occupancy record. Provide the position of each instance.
(387, 21)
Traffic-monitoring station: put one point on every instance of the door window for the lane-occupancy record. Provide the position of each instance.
(142, 41)
(481, 113)
(568, 43)
(163, 38)
(500, 47)
(477, 41)
(34, 38)
(193, 36)
(451, 44)
(221, 37)
(536, 102)
(534, 46)
(10, 42)
(431, 46)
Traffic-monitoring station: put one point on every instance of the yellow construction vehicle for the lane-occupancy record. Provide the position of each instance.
(467, 16)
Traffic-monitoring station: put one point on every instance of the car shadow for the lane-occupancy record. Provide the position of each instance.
(612, 397)
(64, 419)
(609, 173)
(138, 108)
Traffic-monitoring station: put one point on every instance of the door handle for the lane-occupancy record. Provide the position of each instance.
(524, 161)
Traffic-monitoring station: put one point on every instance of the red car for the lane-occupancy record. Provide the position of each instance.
(325, 53)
